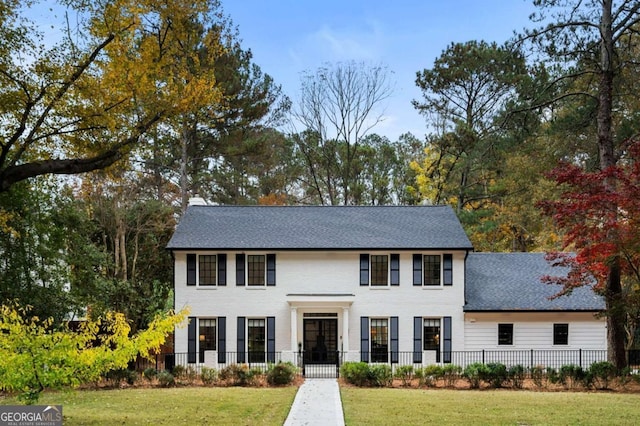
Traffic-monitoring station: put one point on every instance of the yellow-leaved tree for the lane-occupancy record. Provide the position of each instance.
(86, 101)
(34, 357)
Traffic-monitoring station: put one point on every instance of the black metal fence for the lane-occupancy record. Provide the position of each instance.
(261, 361)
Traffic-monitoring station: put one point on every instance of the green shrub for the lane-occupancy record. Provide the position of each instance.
(356, 373)
(451, 373)
(380, 375)
(208, 375)
(517, 374)
(166, 379)
(538, 376)
(282, 373)
(238, 375)
(625, 376)
(571, 375)
(430, 374)
(149, 373)
(189, 375)
(405, 374)
(552, 376)
(178, 371)
(602, 373)
(475, 374)
(121, 374)
(497, 375)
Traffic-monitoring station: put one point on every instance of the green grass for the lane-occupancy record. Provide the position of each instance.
(175, 406)
(457, 407)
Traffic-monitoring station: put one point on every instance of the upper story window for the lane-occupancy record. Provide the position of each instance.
(207, 270)
(379, 270)
(560, 334)
(255, 270)
(432, 269)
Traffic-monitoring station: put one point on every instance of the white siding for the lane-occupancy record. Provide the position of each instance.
(322, 273)
(534, 330)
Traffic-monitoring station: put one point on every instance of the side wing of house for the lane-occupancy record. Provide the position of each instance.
(509, 309)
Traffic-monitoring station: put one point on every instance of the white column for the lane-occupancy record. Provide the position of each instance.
(294, 329)
(345, 329)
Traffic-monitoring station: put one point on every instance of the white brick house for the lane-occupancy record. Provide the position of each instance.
(371, 283)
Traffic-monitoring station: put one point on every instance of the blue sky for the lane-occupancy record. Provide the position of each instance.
(290, 36)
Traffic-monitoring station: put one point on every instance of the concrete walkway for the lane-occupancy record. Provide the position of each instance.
(317, 403)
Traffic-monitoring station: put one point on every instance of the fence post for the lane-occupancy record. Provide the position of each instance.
(580, 357)
(531, 363)
(483, 356)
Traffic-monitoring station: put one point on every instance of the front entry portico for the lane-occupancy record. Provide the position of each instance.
(319, 327)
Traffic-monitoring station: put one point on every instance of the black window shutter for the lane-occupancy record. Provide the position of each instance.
(191, 342)
(395, 269)
(364, 269)
(241, 340)
(222, 340)
(271, 339)
(271, 269)
(394, 339)
(417, 340)
(240, 269)
(364, 339)
(446, 331)
(417, 269)
(222, 269)
(447, 269)
(191, 269)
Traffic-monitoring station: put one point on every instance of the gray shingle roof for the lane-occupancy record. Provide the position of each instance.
(511, 282)
(319, 227)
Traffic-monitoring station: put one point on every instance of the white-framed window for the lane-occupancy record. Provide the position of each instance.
(256, 269)
(207, 336)
(206, 270)
(561, 334)
(432, 270)
(379, 339)
(431, 334)
(256, 339)
(379, 270)
(505, 334)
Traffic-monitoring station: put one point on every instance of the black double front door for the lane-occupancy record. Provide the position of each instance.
(320, 340)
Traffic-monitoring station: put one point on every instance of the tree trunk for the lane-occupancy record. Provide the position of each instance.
(184, 158)
(613, 292)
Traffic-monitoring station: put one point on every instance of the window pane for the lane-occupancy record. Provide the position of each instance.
(256, 269)
(207, 336)
(431, 270)
(505, 334)
(256, 340)
(431, 334)
(207, 268)
(560, 334)
(379, 269)
(379, 340)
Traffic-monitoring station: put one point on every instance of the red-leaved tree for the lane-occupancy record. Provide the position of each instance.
(599, 214)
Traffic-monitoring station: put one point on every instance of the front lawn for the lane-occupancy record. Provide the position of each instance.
(390, 406)
(174, 406)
